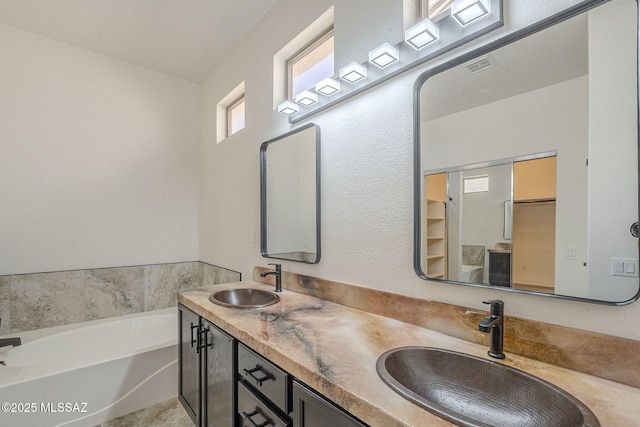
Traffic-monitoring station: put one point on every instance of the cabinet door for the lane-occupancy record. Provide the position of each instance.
(189, 362)
(219, 372)
(534, 179)
(312, 410)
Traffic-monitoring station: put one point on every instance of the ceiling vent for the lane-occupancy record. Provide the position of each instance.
(481, 64)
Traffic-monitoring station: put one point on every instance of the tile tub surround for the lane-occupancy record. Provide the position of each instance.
(41, 300)
(333, 348)
(596, 354)
(209, 274)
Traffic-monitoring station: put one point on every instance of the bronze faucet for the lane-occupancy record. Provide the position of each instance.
(494, 326)
(277, 273)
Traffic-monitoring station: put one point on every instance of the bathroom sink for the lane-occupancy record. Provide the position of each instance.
(244, 298)
(470, 391)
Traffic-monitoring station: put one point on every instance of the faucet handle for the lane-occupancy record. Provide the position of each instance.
(497, 306)
(277, 266)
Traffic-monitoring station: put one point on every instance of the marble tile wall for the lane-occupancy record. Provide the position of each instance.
(41, 300)
(596, 354)
(213, 275)
(5, 305)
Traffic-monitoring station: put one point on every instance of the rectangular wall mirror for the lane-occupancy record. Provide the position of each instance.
(526, 160)
(290, 196)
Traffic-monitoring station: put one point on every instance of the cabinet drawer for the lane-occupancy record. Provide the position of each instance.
(265, 377)
(255, 413)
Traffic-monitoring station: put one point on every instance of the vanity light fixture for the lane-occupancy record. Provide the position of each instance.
(353, 72)
(467, 20)
(384, 55)
(422, 34)
(288, 108)
(468, 11)
(306, 98)
(327, 86)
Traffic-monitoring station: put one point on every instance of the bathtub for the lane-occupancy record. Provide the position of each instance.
(85, 374)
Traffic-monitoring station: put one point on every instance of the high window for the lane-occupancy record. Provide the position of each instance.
(476, 184)
(311, 64)
(230, 113)
(235, 116)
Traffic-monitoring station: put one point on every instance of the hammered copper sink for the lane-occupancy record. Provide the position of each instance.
(470, 391)
(244, 298)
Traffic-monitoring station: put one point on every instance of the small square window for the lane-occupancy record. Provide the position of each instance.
(476, 184)
(311, 64)
(235, 116)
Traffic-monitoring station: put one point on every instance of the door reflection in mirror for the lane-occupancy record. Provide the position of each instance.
(493, 225)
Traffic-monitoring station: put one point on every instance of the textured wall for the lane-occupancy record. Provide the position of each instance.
(367, 160)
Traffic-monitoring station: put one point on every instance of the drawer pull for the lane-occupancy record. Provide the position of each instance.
(254, 413)
(259, 380)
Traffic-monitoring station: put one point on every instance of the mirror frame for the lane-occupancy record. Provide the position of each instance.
(462, 59)
(263, 192)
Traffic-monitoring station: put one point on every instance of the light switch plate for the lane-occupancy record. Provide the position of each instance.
(626, 267)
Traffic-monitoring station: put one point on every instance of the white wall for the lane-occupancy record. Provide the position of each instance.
(98, 160)
(367, 160)
(611, 123)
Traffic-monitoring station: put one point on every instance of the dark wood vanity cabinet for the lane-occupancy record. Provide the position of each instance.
(312, 410)
(189, 363)
(206, 371)
(223, 383)
(269, 396)
(264, 391)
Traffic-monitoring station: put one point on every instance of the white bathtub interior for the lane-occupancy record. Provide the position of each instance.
(115, 366)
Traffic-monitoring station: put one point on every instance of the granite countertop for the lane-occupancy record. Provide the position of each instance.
(334, 348)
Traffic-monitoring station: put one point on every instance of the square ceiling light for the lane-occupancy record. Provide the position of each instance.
(422, 34)
(306, 98)
(353, 72)
(468, 11)
(288, 108)
(327, 86)
(384, 55)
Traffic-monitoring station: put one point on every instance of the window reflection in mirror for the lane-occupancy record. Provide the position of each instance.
(290, 196)
(542, 132)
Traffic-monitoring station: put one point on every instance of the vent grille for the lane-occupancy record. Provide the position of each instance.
(481, 64)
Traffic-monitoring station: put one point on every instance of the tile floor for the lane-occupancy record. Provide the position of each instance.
(165, 414)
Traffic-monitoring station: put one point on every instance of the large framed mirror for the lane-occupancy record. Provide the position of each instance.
(526, 160)
(290, 196)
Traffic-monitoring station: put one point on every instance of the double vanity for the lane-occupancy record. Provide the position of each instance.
(330, 360)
